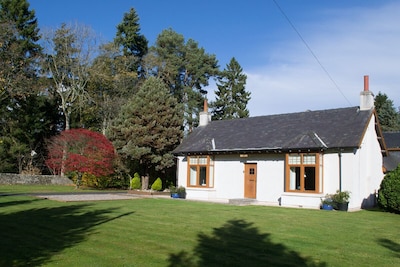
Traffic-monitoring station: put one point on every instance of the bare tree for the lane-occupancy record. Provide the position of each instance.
(69, 51)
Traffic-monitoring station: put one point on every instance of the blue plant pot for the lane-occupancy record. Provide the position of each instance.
(175, 195)
(327, 207)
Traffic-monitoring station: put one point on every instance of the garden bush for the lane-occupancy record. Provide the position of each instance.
(157, 185)
(135, 182)
(389, 192)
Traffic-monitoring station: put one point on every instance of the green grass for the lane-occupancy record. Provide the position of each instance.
(173, 232)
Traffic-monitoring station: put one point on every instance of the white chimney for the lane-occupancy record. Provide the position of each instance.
(366, 96)
(205, 116)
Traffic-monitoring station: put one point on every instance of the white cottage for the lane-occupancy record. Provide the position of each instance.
(289, 160)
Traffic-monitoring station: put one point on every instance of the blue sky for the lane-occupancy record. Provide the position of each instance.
(349, 38)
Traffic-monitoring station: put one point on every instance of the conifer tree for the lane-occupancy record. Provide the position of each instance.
(133, 43)
(231, 96)
(148, 127)
(389, 118)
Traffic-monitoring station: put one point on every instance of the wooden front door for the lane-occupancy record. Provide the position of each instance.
(250, 180)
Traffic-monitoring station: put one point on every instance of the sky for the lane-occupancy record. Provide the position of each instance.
(297, 55)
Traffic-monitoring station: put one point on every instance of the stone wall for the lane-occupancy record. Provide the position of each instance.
(12, 178)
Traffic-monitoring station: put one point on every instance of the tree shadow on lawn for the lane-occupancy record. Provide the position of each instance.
(238, 243)
(391, 245)
(31, 237)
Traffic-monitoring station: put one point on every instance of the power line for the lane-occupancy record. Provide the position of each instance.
(312, 53)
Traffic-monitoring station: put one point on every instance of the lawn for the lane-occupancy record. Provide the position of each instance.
(174, 232)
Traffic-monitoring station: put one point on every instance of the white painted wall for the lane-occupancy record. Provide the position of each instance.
(361, 175)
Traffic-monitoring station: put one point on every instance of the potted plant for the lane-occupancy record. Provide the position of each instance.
(174, 192)
(181, 192)
(327, 203)
(341, 200)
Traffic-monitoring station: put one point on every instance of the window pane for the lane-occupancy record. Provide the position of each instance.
(203, 160)
(309, 178)
(211, 175)
(193, 161)
(294, 178)
(294, 159)
(309, 159)
(193, 175)
(203, 176)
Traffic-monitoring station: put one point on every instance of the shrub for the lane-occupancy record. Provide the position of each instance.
(157, 185)
(341, 196)
(389, 192)
(135, 182)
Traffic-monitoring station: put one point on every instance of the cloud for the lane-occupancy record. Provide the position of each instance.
(349, 43)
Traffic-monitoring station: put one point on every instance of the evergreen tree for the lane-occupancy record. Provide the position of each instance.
(133, 43)
(186, 68)
(389, 118)
(231, 96)
(148, 127)
(111, 84)
(26, 115)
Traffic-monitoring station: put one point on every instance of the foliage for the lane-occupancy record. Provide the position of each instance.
(231, 96)
(172, 189)
(69, 51)
(341, 196)
(111, 84)
(389, 192)
(27, 116)
(186, 69)
(389, 118)
(81, 151)
(135, 181)
(157, 185)
(129, 37)
(148, 127)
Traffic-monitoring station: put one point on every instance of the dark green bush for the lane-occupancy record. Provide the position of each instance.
(135, 182)
(157, 185)
(389, 192)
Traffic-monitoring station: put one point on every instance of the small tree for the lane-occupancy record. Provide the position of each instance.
(135, 182)
(81, 151)
(157, 185)
(389, 192)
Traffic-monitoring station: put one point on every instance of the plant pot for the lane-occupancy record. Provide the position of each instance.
(174, 195)
(342, 206)
(327, 207)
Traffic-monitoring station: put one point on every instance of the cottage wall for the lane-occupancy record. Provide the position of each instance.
(361, 174)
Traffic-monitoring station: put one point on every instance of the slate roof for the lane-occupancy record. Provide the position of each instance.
(310, 130)
(392, 140)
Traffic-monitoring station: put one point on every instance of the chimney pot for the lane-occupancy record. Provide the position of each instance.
(366, 96)
(366, 83)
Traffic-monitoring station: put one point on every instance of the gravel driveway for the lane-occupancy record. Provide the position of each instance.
(86, 197)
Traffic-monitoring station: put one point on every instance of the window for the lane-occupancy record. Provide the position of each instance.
(201, 171)
(302, 173)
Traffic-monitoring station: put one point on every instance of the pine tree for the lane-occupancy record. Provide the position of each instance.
(389, 119)
(148, 127)
(231, 96)
(186, 68)
(132, 41)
